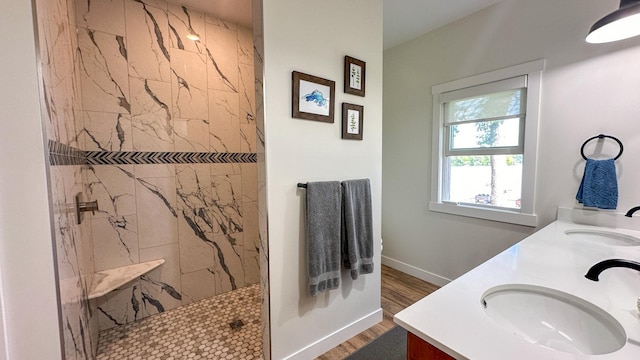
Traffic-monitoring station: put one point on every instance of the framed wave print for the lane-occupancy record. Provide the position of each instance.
(313, 98)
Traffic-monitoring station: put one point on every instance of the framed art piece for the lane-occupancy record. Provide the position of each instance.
(313, 97)
(354, 76)
(352, 119)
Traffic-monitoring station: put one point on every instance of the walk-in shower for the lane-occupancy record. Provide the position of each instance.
(160, 130)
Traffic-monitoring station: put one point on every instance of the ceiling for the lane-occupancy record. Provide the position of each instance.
(407, 19)
(403, 19)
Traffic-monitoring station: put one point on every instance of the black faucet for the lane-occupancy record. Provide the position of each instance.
(631, 211)
(596, 269)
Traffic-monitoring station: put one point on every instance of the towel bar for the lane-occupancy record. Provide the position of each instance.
(302, 186)
(602, 136)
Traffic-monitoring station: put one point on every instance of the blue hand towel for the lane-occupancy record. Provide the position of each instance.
(599, 186)
(323, 235)
(357, 227)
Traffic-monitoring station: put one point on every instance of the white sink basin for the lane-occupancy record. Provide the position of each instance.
(604, 237)
(553, 319)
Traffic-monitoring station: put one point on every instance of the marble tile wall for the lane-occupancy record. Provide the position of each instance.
(121, 81)
(63, 126)
(147, 88)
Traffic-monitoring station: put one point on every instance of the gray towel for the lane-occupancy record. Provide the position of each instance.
(323, 235)
(357, 227)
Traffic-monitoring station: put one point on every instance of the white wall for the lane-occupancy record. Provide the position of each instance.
(313, 38)
(587, 89)
(26, 254)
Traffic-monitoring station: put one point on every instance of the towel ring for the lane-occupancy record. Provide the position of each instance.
(602, 136)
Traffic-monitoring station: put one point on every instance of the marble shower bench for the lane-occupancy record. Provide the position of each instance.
(108, 280)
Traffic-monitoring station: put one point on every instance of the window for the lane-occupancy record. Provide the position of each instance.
(485, 137)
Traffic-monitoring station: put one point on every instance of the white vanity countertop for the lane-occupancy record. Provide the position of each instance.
(453, 319)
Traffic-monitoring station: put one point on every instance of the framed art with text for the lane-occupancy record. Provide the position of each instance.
(354, 76)
(352, 120)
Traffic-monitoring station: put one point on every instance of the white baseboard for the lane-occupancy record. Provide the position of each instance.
(414, 271)
(329, 342)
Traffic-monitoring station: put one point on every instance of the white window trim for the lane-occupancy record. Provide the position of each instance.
(525, 215)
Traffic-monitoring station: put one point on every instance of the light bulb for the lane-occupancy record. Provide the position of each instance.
(193, 37)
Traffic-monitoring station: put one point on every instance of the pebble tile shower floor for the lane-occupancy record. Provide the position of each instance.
(226, 326)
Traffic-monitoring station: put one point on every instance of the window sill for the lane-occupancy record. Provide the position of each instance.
(510, 217)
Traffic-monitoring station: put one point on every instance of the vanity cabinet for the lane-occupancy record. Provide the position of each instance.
(418, 349)
(541, 274)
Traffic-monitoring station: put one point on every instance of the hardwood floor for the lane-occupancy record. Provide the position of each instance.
(399, 290)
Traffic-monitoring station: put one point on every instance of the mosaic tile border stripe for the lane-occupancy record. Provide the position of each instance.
(61, 154)
(153, 157)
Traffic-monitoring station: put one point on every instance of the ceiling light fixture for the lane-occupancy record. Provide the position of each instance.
(193, 37)
(620, 24)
